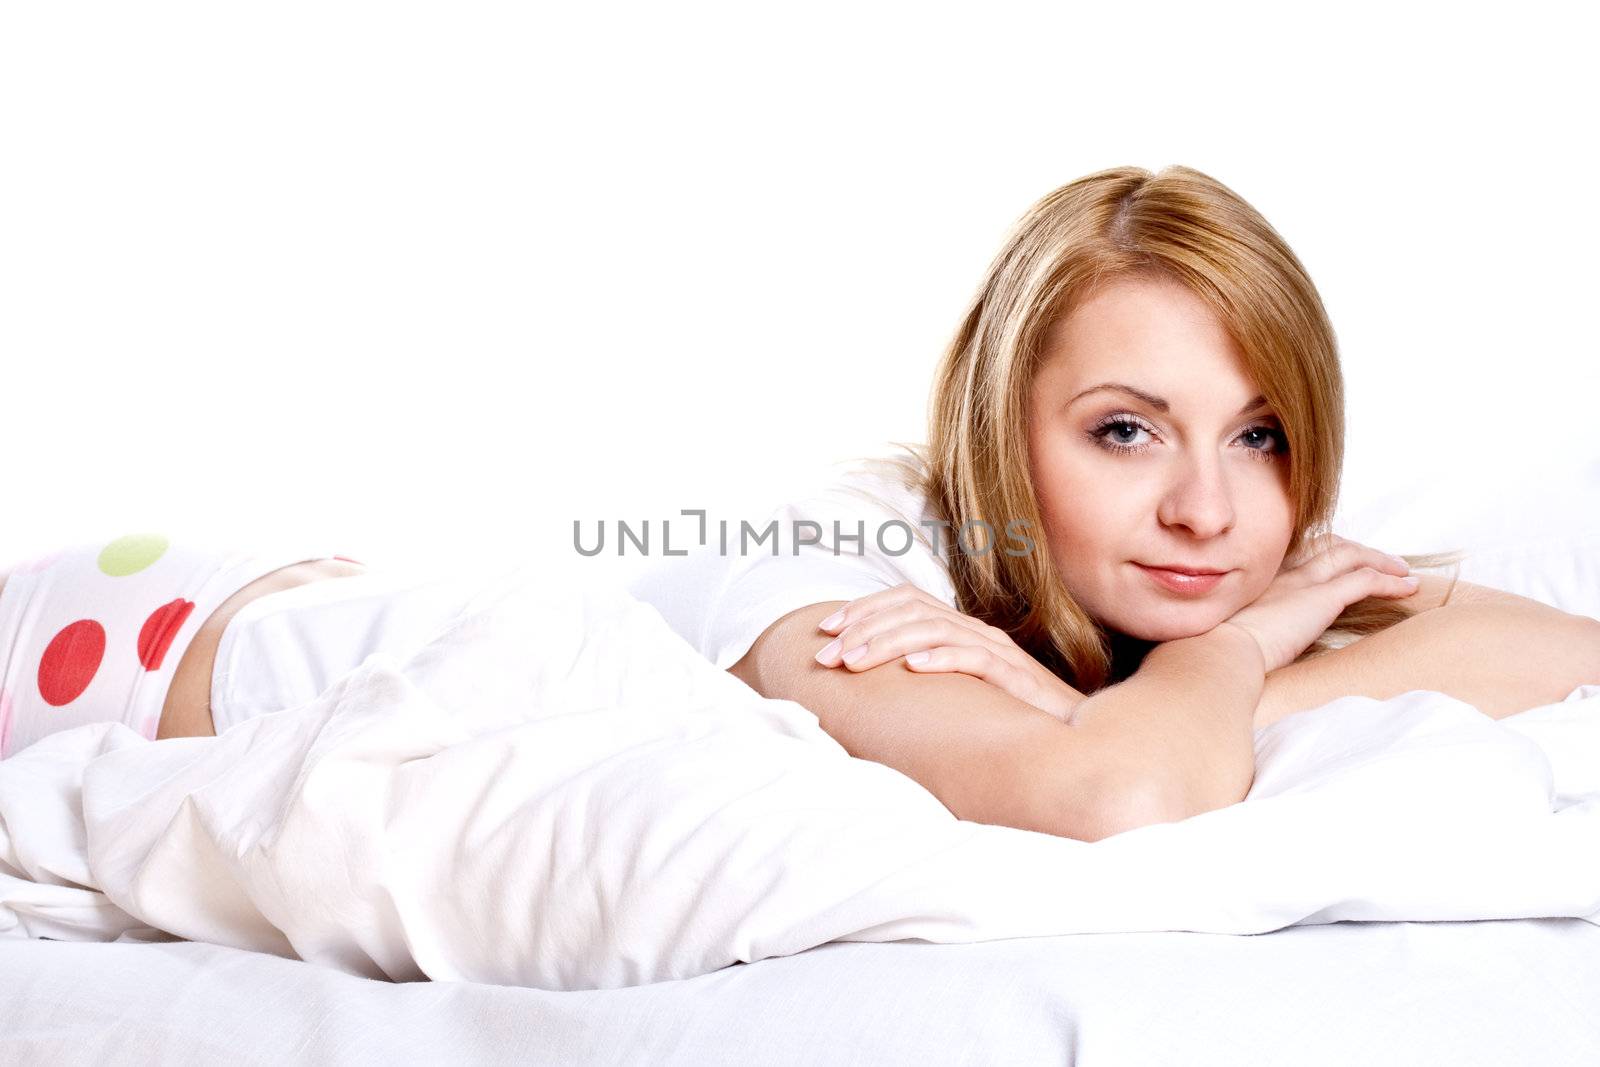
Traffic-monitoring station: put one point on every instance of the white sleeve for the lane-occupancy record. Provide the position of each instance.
(765, 581)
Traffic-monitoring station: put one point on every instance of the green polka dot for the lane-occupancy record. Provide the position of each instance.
(131, 554)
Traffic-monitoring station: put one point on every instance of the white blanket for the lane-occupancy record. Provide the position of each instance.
(559, 792)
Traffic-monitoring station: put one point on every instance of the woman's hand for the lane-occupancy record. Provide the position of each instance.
(936, 638)
(1309, 594)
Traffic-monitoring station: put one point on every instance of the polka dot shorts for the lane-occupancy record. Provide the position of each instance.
(94, 632)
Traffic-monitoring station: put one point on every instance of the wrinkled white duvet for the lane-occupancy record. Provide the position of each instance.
(559, 792)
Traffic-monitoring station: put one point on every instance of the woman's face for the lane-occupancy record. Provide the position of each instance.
(1192, 474)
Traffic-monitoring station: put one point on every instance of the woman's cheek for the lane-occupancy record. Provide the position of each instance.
(1256, 581)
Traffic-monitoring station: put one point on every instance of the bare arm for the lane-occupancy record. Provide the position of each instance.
(986, 755)
(1500, 654)
(1187, 712)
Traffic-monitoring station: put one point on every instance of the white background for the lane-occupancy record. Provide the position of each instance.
(425, 282)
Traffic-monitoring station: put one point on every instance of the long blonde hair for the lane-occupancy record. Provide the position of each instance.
(1179, 224)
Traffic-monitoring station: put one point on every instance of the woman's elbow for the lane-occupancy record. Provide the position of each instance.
(1130, 808)
(1109, 811)
(1570, 657)
(1589, 642)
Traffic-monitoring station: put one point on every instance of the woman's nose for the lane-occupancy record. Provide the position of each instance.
(1199, 499)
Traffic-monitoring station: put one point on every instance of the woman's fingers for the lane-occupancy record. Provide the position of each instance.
(971, 659)
(896, 616)
(1344, 556)
(1342, 590)
(883, 636)
(860, 650)
(935, 638)
(866, 616)
(1369, 581)
(884, 626)
(872, 603)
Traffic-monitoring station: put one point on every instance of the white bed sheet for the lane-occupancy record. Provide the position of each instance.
(1498, 993)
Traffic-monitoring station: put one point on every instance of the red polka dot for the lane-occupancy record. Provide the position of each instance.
(70, 661)
(156, 635)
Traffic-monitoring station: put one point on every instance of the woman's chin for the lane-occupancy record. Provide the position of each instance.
(1171, 626)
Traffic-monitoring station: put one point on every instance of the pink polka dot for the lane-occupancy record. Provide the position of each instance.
(5, 724)
(70, 661)
(38, 563)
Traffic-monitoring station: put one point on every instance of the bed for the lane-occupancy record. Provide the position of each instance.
(1323, 990)
(1501, 992)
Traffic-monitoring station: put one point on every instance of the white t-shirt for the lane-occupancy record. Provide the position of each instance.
(771, 572)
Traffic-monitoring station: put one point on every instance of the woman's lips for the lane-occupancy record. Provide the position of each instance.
(1184, 584)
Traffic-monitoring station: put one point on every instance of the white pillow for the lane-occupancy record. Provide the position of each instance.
(1536, 535)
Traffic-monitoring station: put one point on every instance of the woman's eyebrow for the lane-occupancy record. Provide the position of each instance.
(1153, 400)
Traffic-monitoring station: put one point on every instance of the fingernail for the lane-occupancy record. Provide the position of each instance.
(832, 620)
(1411, 579)
(855, 653)
(1401, 562)
(918, 658)
(830, 650)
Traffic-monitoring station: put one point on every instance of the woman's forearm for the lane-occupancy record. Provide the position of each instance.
(1182, 721)
(1500, 656)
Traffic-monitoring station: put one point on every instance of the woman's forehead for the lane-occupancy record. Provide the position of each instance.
(1153, 321)
(1166, 377)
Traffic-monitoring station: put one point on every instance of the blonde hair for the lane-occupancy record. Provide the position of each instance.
(1178, 224)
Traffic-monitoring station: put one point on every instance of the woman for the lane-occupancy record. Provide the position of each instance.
(1145, 383)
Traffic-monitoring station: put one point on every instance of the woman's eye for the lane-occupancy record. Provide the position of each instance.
(1120, 434)
(1115, 434)
(1273, 434)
